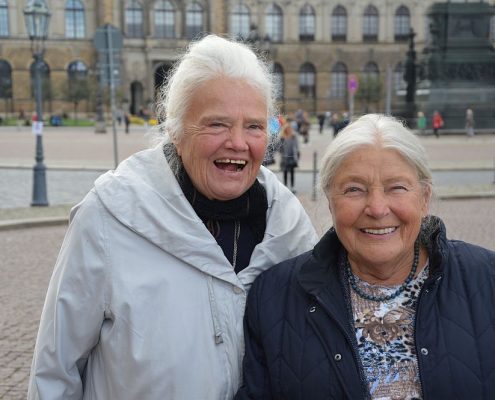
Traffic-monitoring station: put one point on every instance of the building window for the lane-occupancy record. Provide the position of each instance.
(274, 23)
(402, 24)
(339, 80)
(5, 80)
(4, 18)
(339, 24)
(77, 70)
(74, 19)
(307, 75)
(307, 23)
(278, 79)
(194, 20)
(240, 21)
(371, 71)
(134, 19)
(164, 12)
(370, 24)
(399, 82)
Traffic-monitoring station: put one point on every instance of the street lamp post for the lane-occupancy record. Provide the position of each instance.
(37, 16)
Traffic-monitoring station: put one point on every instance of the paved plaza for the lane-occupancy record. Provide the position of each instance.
(79, 155)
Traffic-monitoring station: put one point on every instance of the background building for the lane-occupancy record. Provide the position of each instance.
(313, 46)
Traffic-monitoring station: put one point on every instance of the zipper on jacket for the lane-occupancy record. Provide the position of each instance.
(214, 312)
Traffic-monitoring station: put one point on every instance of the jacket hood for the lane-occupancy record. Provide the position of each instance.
(144, 195)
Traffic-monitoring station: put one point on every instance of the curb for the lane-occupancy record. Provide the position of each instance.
(32, 223)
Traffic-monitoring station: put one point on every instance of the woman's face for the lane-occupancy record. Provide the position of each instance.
(377, 204)
(225, 137)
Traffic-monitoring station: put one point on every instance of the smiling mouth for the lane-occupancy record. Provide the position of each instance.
(228, 164)
(381, 231)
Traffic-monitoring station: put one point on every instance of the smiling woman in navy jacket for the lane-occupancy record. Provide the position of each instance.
(384, 306)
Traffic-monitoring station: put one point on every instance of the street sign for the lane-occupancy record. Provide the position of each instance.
(108, 41)
(352, 84)
(107, 34)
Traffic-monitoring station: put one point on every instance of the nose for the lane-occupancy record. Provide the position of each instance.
(377, 203)
(237, 139)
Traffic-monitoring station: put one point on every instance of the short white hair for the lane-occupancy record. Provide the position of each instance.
(371, 130)
(206, 59)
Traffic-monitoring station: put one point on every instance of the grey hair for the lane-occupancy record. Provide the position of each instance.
(206, 59)
(370, 130)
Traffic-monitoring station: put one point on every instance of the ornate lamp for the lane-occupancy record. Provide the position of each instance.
(37, 17)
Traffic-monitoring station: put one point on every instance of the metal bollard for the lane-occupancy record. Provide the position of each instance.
(315, 173)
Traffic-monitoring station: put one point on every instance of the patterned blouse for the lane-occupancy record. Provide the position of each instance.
(385, 337)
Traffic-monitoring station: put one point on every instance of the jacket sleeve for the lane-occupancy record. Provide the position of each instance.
(256, 380)
(73, 312)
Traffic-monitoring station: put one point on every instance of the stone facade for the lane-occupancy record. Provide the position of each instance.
(146, 59)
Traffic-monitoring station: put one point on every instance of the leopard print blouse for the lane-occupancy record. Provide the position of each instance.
(385, 337)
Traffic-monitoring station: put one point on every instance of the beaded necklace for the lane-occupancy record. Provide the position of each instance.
(352, 279)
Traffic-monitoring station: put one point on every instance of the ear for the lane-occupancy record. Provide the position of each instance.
(427, 193)
(178, 146)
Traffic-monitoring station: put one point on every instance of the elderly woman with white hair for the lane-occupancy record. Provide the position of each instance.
(384, 306)
(147, 296)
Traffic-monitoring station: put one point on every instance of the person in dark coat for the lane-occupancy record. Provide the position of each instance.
(289, 154)
(384, 306)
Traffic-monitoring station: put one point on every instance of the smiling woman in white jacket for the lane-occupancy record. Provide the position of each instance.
(147, 296)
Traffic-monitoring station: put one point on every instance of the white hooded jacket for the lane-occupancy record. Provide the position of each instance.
(142, 303)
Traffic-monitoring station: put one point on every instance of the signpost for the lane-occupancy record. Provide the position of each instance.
(352, 87)
(108, 42)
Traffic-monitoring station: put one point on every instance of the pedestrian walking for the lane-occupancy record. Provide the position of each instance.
(469, 122)
(147, 296)
(289, 149)
(127, 122)
(421, 122)
(304, 127)
(437, 123)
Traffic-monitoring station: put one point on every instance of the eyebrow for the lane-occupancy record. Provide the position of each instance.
(224, 118)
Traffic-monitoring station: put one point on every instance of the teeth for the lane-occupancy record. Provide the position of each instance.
(383, 231)
(229, 161)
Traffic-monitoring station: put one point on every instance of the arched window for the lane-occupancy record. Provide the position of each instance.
(370, 24)
(307, 78)
(5, 80)
(399, 82)
(4, 18)
(402, 24)
(194, 20)
(164, 12)
(45, 80)
(74, 19)
(274, 23)
(307, 23)
(371, 73)
(339, 24)
(134, 19)
(278, 78)
(339, 80)
(77, 70)
(240, 21)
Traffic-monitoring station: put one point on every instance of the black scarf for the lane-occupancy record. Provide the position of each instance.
(249, 208)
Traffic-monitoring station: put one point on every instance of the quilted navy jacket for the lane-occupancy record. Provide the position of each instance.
(300, 343)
